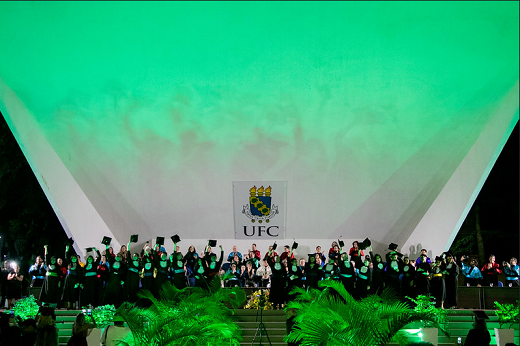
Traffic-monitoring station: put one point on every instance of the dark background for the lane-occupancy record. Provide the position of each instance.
(27, 221)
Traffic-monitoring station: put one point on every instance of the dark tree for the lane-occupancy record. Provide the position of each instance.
(27, 220)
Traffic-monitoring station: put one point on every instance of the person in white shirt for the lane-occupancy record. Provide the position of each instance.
(112, 335)
(264, 272)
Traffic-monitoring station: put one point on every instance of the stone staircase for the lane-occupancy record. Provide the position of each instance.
(64, 322)
(249, 322)
(460, 322)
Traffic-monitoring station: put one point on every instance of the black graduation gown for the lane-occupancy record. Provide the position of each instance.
(451, 279)
(278, 281)
(294, 278)
(114, 290)
(437, 285)
(422, 281)
(407, 283)
(362, 281)
(147, 280)
(161, 276)
(313, 275)
(177, 273)
(347, 275)
(51, 290)
(73, 282)
(393, 271)
(133, 278)
(378, 278)
(91, 283)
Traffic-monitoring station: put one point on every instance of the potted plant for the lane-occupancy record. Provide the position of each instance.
(331, 316)
(259, 299)
(429, 329)
(508, 314)
(191, 316)
(26, 308)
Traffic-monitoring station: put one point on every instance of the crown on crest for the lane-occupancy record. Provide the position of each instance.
(260, 191)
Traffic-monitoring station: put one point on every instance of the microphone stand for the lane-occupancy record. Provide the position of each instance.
(261, 327)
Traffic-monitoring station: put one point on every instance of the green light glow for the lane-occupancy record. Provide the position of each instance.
(156, 107)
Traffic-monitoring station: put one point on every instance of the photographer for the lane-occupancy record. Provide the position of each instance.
(490, 272)
(512, 271)
(37, 271)
(81, 329)
(4, 283)
(473, 276)
(14, 279)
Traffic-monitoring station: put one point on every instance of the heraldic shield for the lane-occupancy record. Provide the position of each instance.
(260, 205)
(260, 208)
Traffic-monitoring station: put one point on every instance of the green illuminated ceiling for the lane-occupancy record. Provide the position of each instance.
(155, 107)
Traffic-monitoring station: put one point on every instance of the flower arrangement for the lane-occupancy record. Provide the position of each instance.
(26, 308)
(426, 304)
(103, 315)
(507, 314)
(259, 300)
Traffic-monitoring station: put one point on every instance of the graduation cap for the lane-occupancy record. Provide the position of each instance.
(88, 249)
(275, 246)
(159, 241)
(118, 318)
(294, 246)
(70, 241)
(212, 243)
(480, 315)
(134, 238)
(366, 243)
(46, 311)
(392, 246)
(106, 240)
(176, 238)
(438, 258)
(341, 243)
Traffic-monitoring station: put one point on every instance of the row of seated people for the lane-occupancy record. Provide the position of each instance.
(110, 279)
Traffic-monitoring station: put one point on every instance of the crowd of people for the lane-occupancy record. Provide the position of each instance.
(113, 277)
(42, 330)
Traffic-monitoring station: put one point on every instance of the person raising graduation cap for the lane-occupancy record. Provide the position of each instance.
(479, 335)
(278, 282)
(287, 253)
(424, 252)
(356, 254)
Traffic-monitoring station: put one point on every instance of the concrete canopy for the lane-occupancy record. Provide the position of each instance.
(384, 118)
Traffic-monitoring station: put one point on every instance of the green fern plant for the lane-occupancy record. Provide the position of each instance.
(26, 308)
(507, 314)
(191, 316)
(426, 304)
(331, 316)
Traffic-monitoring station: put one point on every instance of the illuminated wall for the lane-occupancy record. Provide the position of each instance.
(383, 118)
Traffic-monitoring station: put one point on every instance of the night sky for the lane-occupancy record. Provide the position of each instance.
(498, 206)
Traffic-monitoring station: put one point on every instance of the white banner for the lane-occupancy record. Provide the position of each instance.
(259, 209)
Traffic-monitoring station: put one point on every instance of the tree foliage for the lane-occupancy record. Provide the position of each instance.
(25, 212)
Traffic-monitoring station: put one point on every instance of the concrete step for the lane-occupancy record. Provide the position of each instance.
(248, 339)
(268, 325)
(270, 331)
(460, 322)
